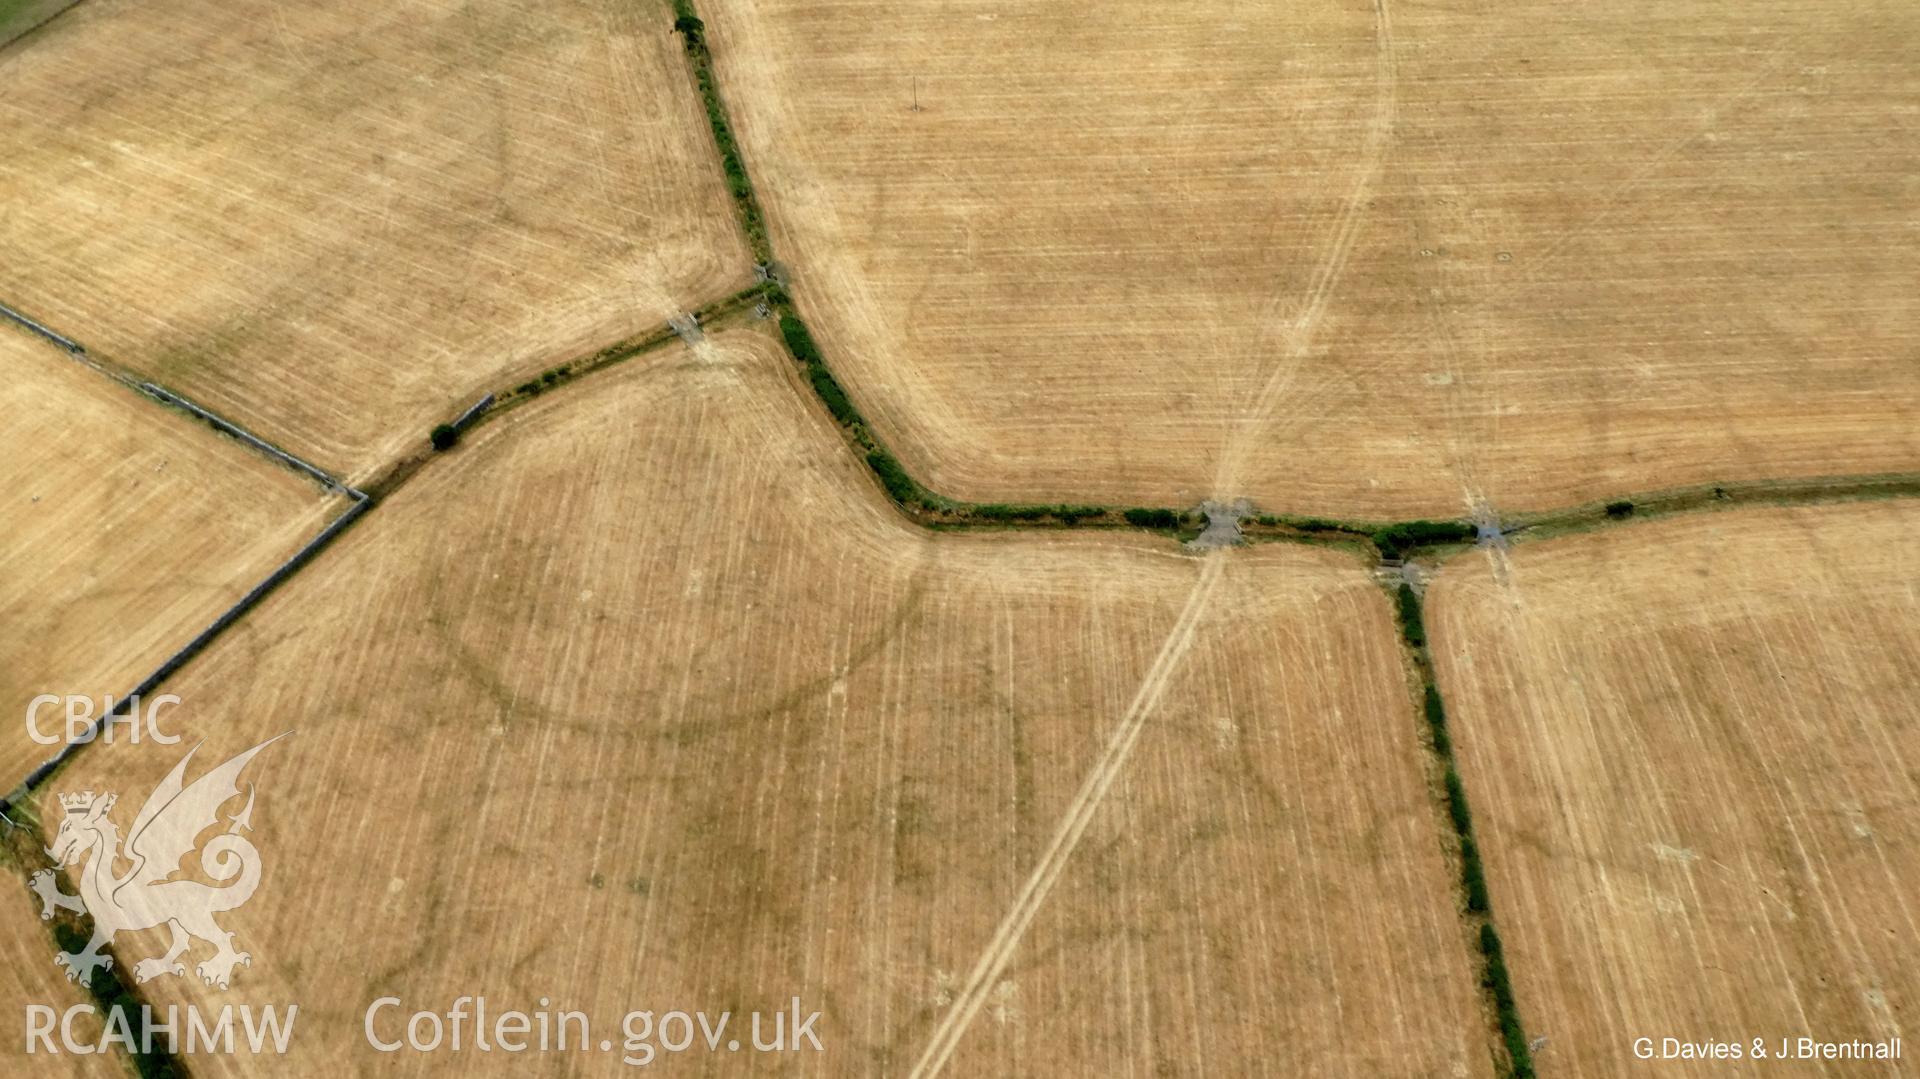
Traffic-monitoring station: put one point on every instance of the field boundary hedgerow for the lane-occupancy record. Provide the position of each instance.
(1476, 905)
(23, 848)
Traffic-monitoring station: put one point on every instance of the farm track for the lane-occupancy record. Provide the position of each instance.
(1006, 939)
(938, 512)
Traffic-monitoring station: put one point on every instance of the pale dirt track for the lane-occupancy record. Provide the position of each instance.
(1693, 747)
(127, 528)
(645, 698)
(1355, 259)
(340, 224)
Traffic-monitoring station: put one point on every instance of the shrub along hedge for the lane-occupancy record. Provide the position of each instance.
(1396, 540)
(1473, 876)
(1437, 723)
(1497, 981)
(1412, 626)
(693, 34)
(110, 994)
(900, 486)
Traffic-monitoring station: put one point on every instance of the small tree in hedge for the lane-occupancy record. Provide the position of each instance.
(1473, 877)
(1412, 627)
(444, 436)
(1617, 510)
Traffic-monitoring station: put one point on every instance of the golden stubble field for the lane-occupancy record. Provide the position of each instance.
(1379, 260)
(128, 528)
(29, 977)
(644, 698)
(341, 223)
(1693, 747)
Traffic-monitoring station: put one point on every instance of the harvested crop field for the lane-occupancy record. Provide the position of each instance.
(342, 223)
(1379, 260)
(1693, 747)
(29, 977)
(128, 528)
(645, 698)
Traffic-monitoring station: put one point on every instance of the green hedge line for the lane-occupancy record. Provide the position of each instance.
(900, 486)
(1473, 875)
(1497, 981)
(1412, 626)
(1457, 810)
(111, 994)
(1396, 540)
(692, 33)
(1001, 511)
(1152, 518)
(1437, 723)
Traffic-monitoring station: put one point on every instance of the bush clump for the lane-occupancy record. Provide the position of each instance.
(1473, 877)
(1000, 511)
(1437, 723)
(799, 339)
(1395, 540)
(900, 486)
(1457, 803)
(1496, 980)
(444, 437)
(835, 398)
(1617, 510)
(1412, 626)
(1151, 518)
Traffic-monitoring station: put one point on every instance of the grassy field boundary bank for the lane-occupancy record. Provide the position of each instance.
(1475, 903)
(23, 847)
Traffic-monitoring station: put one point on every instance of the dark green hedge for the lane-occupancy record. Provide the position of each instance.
(1437, 723)
(900, 486)
(1396, 540)
(1497, 981)
(1412, 626)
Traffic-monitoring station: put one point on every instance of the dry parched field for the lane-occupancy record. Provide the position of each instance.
(646, 699)
(29, 977)
(128, 528)
(341, 223)
(1694, 752)
(1353, 259)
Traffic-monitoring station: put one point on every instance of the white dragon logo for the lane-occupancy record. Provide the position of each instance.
(163, 834)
